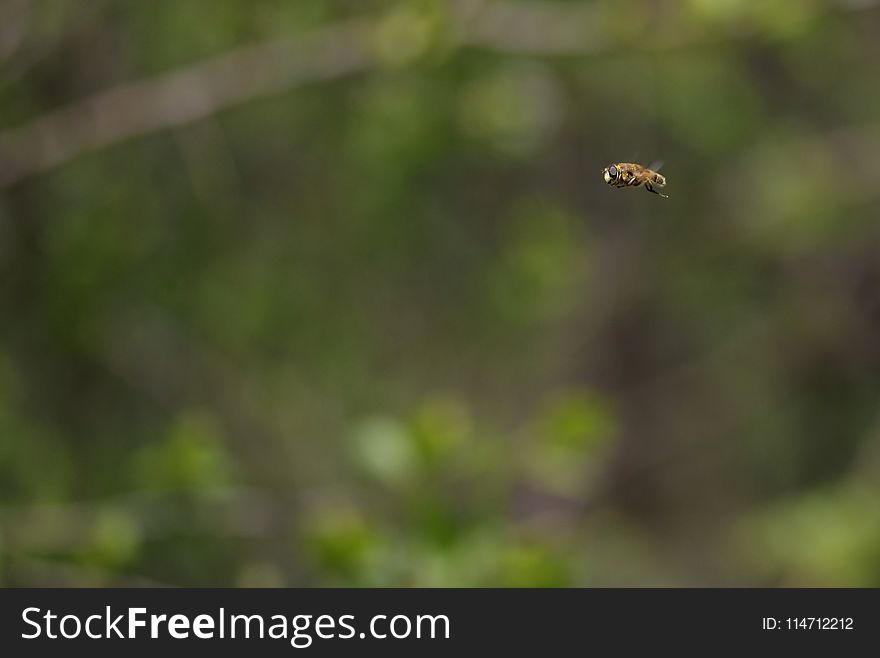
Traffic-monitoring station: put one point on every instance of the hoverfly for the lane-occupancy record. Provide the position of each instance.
(628, 174)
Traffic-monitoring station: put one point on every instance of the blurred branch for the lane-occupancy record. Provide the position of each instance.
(179, 98)
(207, 87)
(14, 17)
(529, 28)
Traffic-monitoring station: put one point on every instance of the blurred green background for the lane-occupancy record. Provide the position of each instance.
(332, 293)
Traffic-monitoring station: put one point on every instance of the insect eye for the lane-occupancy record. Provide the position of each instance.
(612, 171)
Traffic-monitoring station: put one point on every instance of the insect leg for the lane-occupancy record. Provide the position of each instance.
(650, 188)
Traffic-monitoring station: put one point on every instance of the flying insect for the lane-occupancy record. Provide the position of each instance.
(630, 174)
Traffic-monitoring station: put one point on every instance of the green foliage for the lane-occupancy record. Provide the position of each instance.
(192, 456)
(380, 322)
